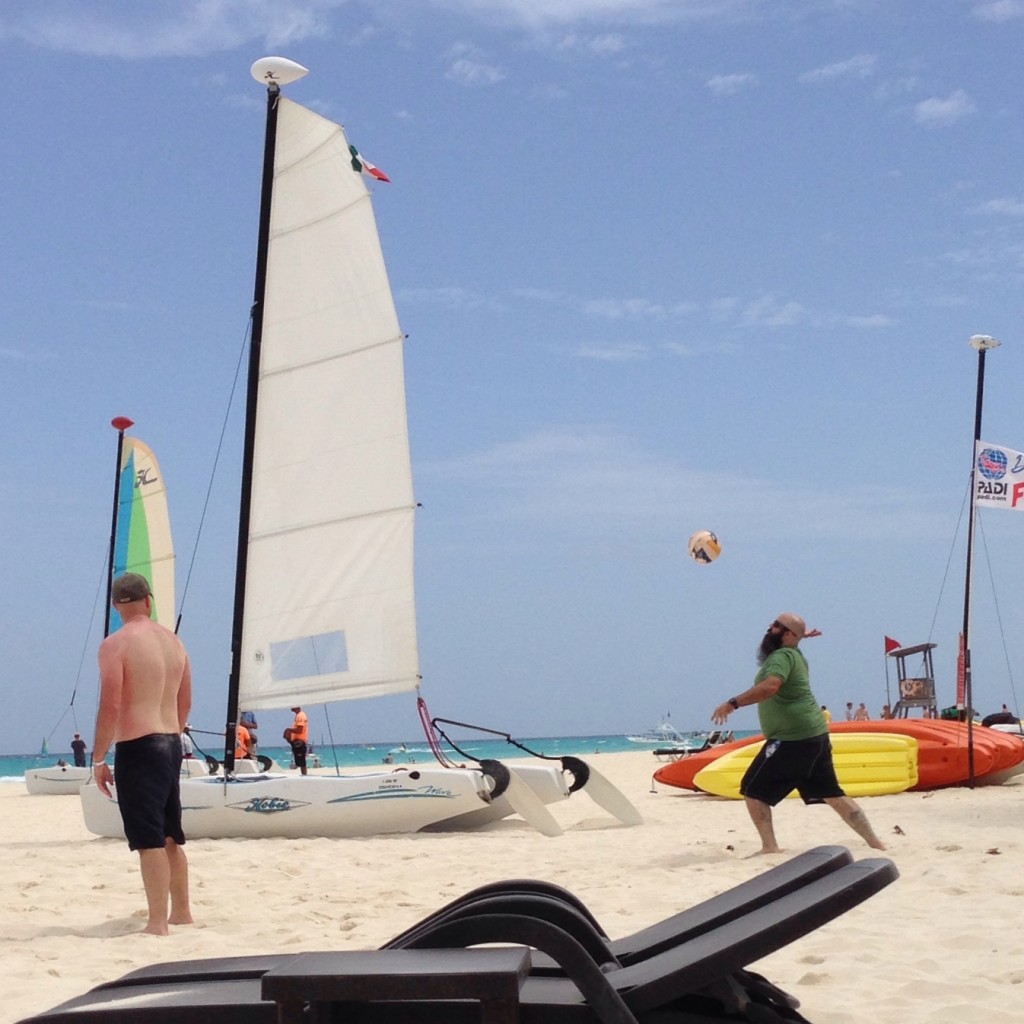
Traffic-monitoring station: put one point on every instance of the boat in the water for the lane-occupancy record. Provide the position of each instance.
(324, 600)
(663, 734)
(140, 542)
(670, 744)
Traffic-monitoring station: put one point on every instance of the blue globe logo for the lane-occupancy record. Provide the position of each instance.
(992, 464)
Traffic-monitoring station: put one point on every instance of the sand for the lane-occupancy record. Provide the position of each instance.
(943, 943)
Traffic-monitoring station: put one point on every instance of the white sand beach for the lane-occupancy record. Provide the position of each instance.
(943, 943)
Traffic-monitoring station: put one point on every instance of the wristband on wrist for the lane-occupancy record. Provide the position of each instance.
(734, 702)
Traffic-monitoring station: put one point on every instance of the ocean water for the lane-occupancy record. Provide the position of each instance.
(14, 766)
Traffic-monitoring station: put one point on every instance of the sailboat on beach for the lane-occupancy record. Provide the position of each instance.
(140, 541)
(324, 605)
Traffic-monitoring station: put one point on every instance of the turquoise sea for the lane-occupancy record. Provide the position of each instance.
(13, 766)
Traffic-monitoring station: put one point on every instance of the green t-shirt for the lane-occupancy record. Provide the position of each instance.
(792, 713)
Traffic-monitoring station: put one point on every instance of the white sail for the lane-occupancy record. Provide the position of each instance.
(329, 603)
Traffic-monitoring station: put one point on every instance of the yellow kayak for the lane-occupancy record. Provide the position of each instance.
(867, 764)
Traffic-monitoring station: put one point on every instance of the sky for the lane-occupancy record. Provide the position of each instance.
(664, 265)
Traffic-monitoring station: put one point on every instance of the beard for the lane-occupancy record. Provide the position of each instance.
(769, 644)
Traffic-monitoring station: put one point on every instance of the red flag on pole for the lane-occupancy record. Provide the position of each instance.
(891, 645)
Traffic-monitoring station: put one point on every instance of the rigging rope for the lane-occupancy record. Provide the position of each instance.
(213, 470)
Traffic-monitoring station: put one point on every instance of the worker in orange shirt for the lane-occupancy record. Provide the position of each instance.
(297, 734)
(243, 743)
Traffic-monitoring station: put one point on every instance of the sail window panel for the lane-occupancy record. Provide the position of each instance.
(323, 655)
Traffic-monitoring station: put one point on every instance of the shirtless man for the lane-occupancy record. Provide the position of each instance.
(145, 697)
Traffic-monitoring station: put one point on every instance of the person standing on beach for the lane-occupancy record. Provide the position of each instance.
(248, 719)
(145, 697)
(297, 735)
(861, 714)
(797, 753)
(78, 749)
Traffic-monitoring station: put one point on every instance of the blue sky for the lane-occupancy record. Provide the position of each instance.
(664, 265)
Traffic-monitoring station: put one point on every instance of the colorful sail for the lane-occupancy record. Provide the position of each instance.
(329, 606)
(142, 541)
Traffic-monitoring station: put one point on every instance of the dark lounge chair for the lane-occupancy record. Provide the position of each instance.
(701, 979)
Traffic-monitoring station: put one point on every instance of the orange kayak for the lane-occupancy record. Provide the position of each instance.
(942, 755)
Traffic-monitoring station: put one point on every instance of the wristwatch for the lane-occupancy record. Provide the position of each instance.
(734, 702)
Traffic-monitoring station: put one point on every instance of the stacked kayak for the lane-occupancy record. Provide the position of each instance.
(866, 765)
(867, 761)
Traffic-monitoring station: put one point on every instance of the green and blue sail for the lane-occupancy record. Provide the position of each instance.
(142, 541)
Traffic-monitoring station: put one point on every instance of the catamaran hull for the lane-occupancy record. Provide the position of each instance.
(546, 783)
(56, 780)
(297, 807)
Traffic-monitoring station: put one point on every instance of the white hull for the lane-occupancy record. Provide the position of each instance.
(547, 783)
(67, 780)
(56, 780)
(1013, 728)
(295, 807)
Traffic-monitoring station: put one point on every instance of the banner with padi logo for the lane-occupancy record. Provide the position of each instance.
(999, 477)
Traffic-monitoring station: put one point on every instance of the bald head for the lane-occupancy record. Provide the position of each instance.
(793, 623)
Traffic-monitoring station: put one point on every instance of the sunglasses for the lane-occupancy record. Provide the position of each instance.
(780, 625)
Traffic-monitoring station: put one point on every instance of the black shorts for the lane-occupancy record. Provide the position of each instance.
(146, 772)
(784, 765)
(299, 753)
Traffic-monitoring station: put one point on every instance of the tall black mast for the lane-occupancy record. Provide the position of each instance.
(249, 445)
(981, 343)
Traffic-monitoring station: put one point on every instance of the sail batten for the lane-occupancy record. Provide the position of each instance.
(329, 610)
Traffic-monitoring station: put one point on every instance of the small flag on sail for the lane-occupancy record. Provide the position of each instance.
(361, 164)
(891, 645)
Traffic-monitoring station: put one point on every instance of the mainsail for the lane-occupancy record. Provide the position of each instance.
(329, 609)
(142, 535)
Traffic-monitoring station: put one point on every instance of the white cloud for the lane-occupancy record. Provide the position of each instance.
(729, 85)
(861, 66)
(1002, 207)
(156, 29)
(536, 13)
(467, 71)
(936, 112)
(769, 312)
(469, 68)
(874, 320)
(447, 298)
(592, 476)
(999, 10)
(603, 45)
(627, 352)
(15, 355)
(619, 309)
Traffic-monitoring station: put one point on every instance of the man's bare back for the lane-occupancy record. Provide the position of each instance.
(144, 671)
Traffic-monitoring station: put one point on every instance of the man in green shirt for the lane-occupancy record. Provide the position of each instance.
(797, 753)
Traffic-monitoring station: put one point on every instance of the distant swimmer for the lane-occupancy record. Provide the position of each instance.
(145, 696)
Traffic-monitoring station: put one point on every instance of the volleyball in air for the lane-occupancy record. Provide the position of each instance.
(704, 547)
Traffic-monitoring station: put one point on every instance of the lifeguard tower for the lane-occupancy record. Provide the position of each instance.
(918, 690)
